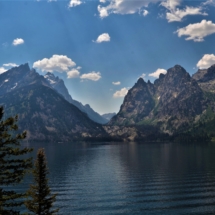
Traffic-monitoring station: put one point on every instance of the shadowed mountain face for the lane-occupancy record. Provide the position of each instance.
(173, 102)
(42, 111)
(59, 86)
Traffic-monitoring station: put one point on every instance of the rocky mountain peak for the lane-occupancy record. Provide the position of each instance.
(138, 100)
(140, 81)
(177, 72)
(165, 102)
(204, 75)
(206, 78)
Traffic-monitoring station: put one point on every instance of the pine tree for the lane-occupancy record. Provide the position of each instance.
(42, 200)
(12, 166)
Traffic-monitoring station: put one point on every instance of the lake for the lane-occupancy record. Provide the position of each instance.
(131, 178)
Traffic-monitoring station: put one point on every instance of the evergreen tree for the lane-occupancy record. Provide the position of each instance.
(12, 166)
(42, 200)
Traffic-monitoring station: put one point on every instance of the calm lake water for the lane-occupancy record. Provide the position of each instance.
(131, 178)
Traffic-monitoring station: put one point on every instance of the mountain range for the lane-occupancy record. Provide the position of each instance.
(42, 111)
(59, 86)
(175, 105)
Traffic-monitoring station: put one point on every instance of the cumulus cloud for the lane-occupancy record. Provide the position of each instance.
(206, 61)
(74, 73)
(197, 31)
(103, 38)
(2, 70)
(175, 14)
(123, 7)
(18, 41)
(145, 12)
(74, 3)
(10, 64)
(93, 76)
(116, 83)
(120, 93)
(157, 73)
(171, 4)
(58, 63)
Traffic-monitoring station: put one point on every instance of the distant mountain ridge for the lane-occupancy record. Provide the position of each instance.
(108, 116)
(59, 86)
(42, 111)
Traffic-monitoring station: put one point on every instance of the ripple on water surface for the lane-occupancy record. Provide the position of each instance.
(132, 178)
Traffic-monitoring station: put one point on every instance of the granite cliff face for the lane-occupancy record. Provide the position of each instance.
(59, 86)
(138, 103)
(42, 111)
(173, 103)
(206, 78)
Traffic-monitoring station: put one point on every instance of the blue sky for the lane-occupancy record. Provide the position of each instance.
(100, 48)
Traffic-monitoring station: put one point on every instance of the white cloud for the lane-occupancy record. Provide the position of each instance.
(94, 76)
(102, 11)
(2, 70)
(102, 1)
(120, 93)
(10, 64)
(74, 3)
(157, 73)
(103, 38)
(206, 61)
(143, 75)
(57, 63)
(74, 73)
(123, 7)
(49, 0)
(116, 83)
(209, 2)
(145, 12)
(18, 41)
(197, 31)
(175, 14)
(171, 4)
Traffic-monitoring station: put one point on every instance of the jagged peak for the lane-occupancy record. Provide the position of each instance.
(177, 68)
(177, 71)
(51, 76)
(140, 82)
(24, 66)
